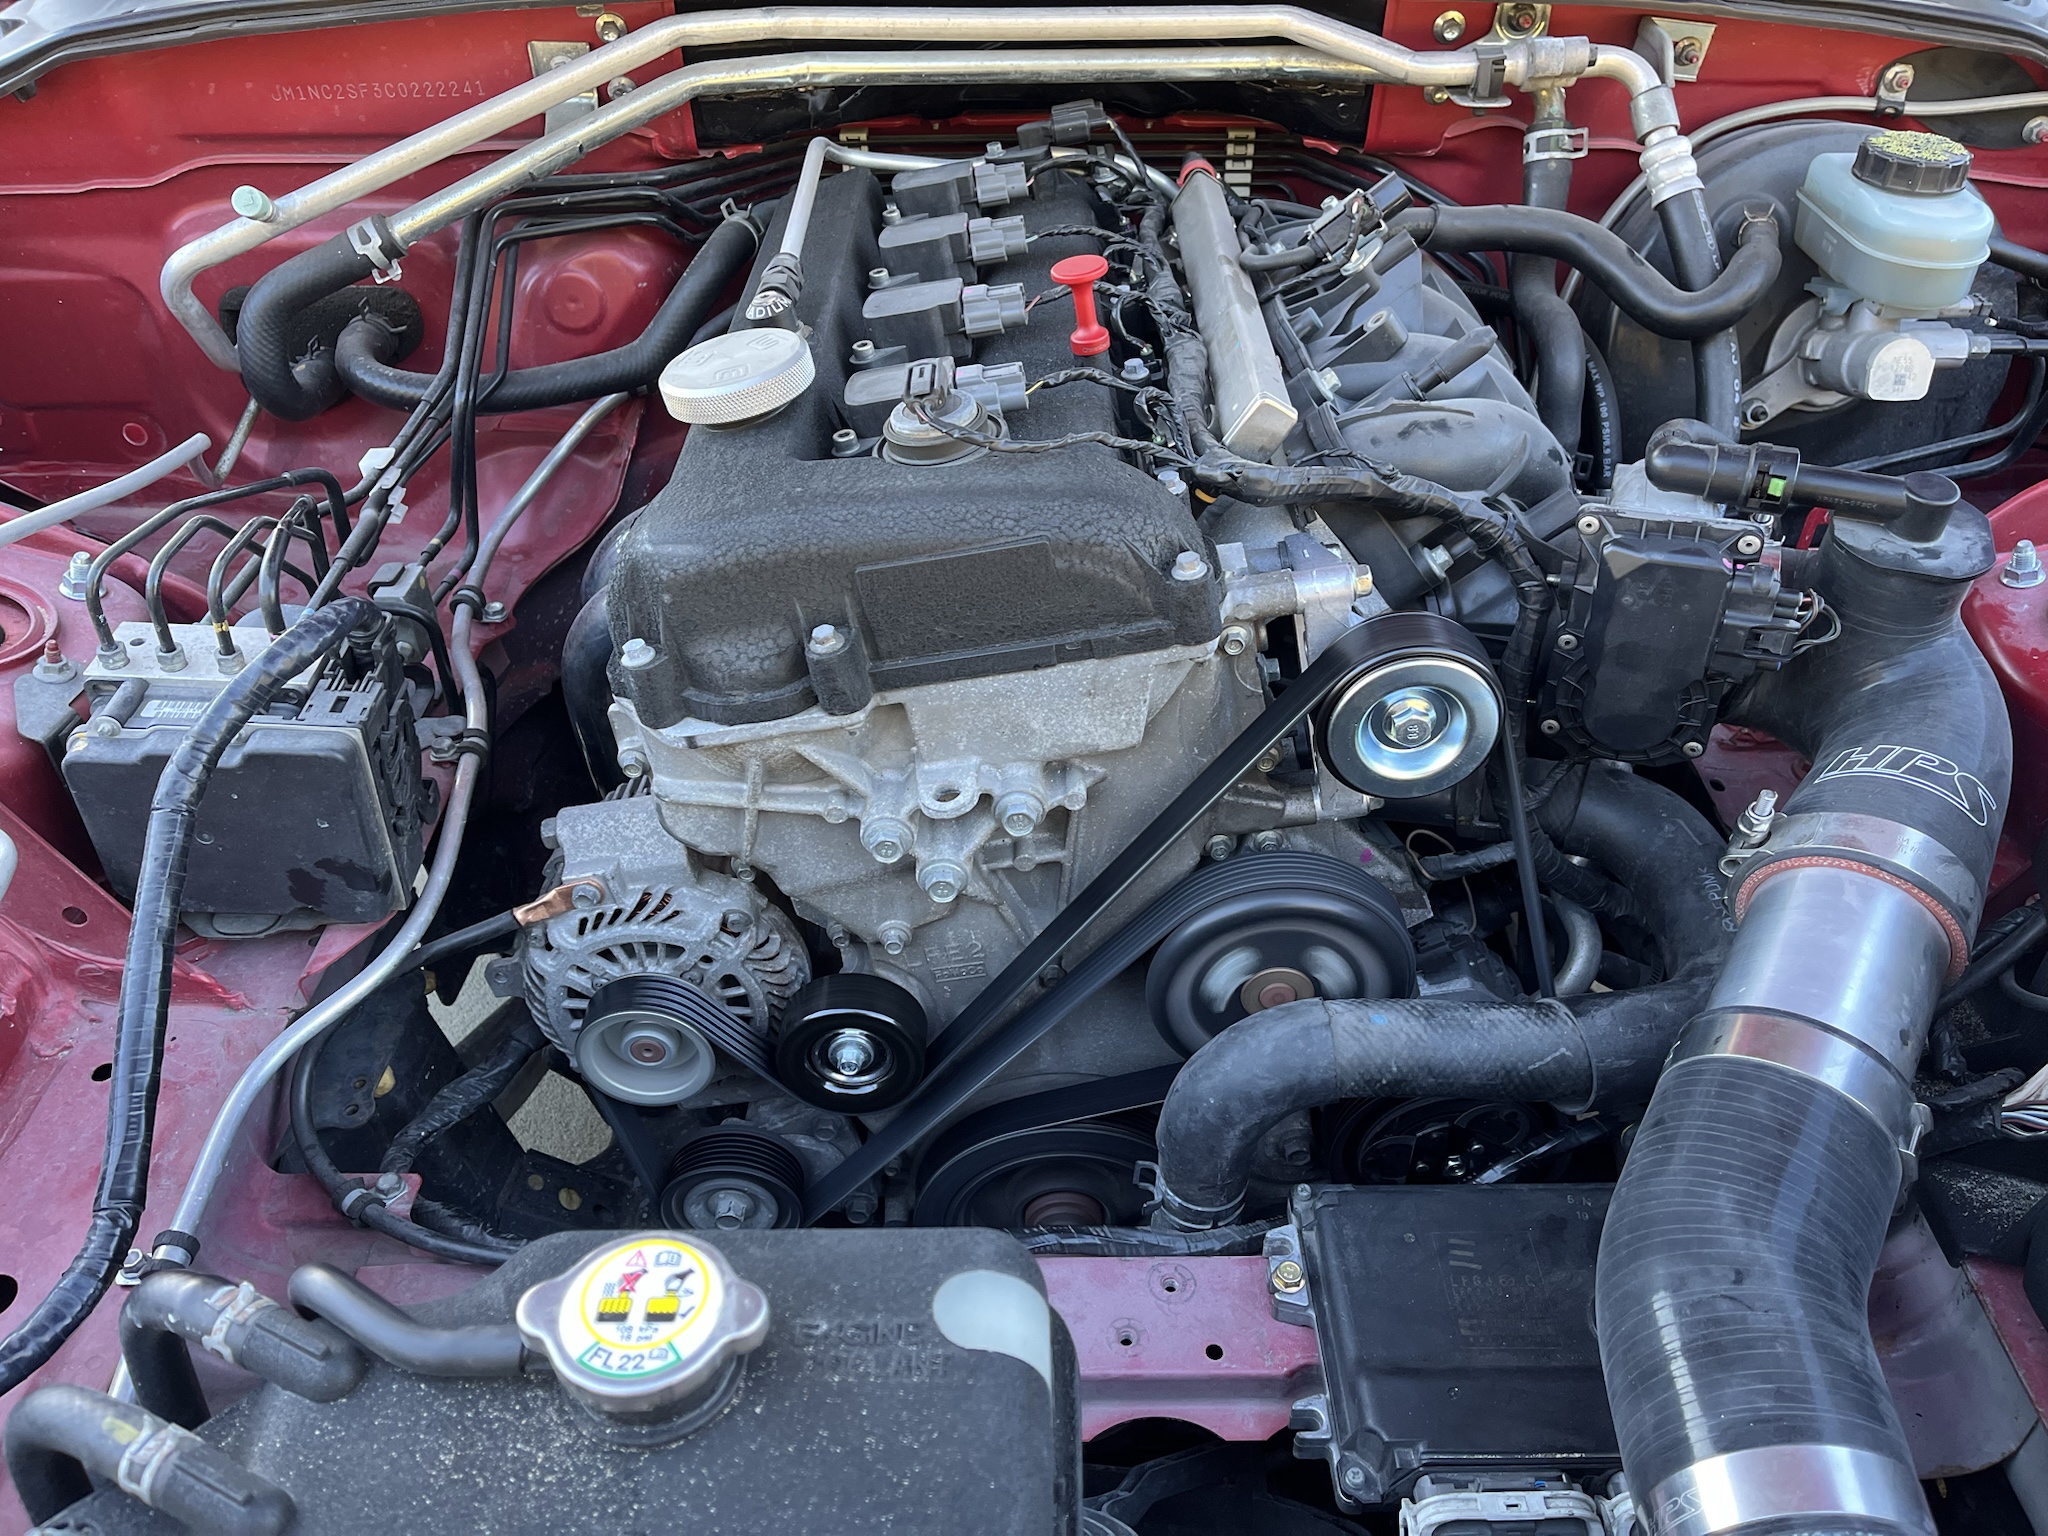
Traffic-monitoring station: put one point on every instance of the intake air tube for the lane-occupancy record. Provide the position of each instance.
(1605, 1047)
(1738, 1252)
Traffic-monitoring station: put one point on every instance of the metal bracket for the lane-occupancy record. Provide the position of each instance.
(546, 56)
(1893, 82)
(1239, 145)
(1489, 80)
(1677, 47)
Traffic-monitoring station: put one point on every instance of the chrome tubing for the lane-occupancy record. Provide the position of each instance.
(789, 72)
(1542, 59)
(211, 1164)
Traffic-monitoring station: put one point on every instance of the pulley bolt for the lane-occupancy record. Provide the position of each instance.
(649, 1047)
(253, 203)
(76, 575)
(1287, 1277)
(1189, 566)
(2023, 566)
(1413, 720)
(850, 1052)
(1449, 27)
(637, 655)
(731, 1207)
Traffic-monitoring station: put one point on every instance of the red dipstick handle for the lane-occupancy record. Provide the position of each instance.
(1082, 273)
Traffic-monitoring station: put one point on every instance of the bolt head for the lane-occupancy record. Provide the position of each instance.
(1755, 413)
(1589, 525)
(1269, 842)
(1413, 719)
(1896, 80)
(1693, 748)
(850, 1052)
(649, 1047)
(730, 1208)
(636, 655)
(827, 640)
(1268, 759)
(494, 613)
(586, 896)
(1551, 727)
(942, 890)
(1220, 847)
(1236, 640)
(1019, 823)
(886, 850)
(1749, 544)
(1448, 27)
(1189, 566)
(1288, 1277)
(734, 920)
(2035, 130)
(895, 937)
(878, 277)
(1436, 95)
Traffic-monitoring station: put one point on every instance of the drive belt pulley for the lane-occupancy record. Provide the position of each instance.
(992, 1031)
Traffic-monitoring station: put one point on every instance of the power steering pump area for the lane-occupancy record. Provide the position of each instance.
(1034, 770)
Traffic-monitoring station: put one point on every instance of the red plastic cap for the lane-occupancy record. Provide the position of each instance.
(1081, 274)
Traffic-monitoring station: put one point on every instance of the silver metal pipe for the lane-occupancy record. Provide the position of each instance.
(211, 1164)
(1582, 948)
(787, 72)
(1537, 58)
(543, 472)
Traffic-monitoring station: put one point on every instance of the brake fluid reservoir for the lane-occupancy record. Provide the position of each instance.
(1897, 222)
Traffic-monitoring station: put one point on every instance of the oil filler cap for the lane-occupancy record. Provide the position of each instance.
(1918, 164)
(648, 1334)
(738, 377)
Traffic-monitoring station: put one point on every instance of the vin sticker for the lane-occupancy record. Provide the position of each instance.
(1929, 770)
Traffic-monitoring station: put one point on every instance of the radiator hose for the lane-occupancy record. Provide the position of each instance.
(1739, 1248)
(146, 983)
(1603, 1048)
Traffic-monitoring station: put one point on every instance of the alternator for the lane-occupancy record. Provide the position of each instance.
(664, 917)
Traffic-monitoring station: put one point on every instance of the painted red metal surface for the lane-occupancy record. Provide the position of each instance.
(2002, 1289)
(1191, 1339)
(2011, 629)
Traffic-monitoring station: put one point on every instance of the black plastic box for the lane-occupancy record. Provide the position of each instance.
(1455, 1324)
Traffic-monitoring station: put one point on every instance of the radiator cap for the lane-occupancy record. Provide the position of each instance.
(647, 1333)
(738, 377)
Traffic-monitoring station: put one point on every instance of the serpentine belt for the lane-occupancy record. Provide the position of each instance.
(980, 1043)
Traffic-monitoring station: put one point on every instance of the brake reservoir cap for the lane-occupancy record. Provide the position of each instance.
(739, 377)
(649, 1334)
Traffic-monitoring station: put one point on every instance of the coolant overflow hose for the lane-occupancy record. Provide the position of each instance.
(146, 984)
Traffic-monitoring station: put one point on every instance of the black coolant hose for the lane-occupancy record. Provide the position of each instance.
(1739, 1248)
(1644, 293)
(1550, 323)
(481, 1349)
(1603, 1047)
(1696, 258)
(146, 982)
(362, 355)
(587, 690)
(286, 370)
(176, 1308)
(63, 1439)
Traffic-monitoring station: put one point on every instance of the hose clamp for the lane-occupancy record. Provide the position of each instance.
(1888, 850)
(368, 239)
(1181, 1215)
(1785, 1484)
(142, 1464)
(1555, 144)
(1813, 1051)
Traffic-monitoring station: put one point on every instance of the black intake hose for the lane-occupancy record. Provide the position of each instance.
(61, 1439)
(1738, 1252)
(175, 1308)
(146, 983)
(1604, 1047)
(363, 355)
(1549, 322)
(1638, 288)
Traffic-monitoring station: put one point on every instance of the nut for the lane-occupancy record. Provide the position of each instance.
(2034, 131)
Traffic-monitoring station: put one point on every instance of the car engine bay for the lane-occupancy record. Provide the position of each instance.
(1164, 769)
